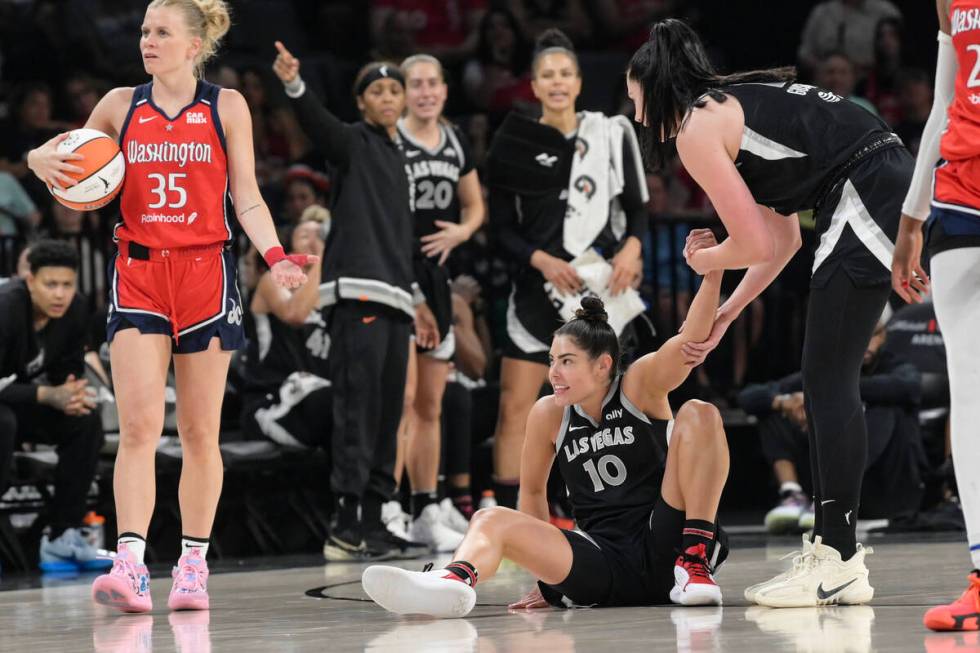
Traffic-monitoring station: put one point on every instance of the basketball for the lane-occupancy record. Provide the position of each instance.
(103, 170)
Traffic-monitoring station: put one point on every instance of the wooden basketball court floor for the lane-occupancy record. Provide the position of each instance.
(322, 608)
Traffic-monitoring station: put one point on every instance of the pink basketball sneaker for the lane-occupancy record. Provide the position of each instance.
(190, 590)
(127, 585)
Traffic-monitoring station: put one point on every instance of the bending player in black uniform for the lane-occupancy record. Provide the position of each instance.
(636, 501)
(448, 211)
(763, 148)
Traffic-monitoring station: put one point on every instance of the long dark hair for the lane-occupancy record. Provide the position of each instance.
(590, 330)
(675, 74)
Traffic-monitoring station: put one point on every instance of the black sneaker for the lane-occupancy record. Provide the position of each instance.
(344, 545)
(401, 549)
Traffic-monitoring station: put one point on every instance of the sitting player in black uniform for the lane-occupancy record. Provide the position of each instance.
(764, 148)
(637, 502)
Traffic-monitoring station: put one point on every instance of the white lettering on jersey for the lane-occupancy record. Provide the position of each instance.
(965, 20)
(609, 437)
(179, 153)
(196, 118)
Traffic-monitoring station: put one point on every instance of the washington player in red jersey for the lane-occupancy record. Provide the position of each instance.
(188, 149)
(950, 147)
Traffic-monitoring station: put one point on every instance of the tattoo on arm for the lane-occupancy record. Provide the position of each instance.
(254, 206)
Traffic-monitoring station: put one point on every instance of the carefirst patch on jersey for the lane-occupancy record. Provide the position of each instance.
(608, 437)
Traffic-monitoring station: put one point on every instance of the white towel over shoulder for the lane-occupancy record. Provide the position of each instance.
(597, 179)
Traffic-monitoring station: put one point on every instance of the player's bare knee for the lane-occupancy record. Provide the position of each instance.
(488, 519)
(700, 422)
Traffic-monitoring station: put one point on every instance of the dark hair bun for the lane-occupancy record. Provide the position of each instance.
(553, 38)
(593, 310)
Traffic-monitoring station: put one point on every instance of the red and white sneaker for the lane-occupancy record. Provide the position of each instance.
(693, 583)
(127, 585)
(190, 589)
(961, 614)
(435, 593)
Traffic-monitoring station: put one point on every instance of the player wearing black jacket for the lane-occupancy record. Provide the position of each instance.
(43, 396)
(367, 298)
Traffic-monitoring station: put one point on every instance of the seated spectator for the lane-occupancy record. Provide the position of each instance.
(287, 395)
(225, 76)
(846, 26)
(625, 24)
(43, 397)
(535, 16)
(914, 335)
(499, 78)
(303, 187)
(890, 389)
(836, 73)
(81, 94)
(30, 125)
(444, 30)
(915, 100)
(18, 213)
(881, 84)
(82, 230)
(469, 368)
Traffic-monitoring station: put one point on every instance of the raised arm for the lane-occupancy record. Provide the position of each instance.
(653, 376)
(543, 423)
(327, 132)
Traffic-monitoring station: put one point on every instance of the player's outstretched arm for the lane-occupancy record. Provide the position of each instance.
(251, 209)
(653, 376)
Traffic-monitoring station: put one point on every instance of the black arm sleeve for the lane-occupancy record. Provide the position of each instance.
(330, 135)
(503, 224)
(631, 199)
(901, 385)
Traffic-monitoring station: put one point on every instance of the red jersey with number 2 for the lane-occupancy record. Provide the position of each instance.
(962, 137)
(176, 189)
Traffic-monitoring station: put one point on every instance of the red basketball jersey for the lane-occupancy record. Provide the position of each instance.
(176, 188)
(962, 137)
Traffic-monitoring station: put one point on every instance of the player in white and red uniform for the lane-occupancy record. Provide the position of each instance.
(188, 149)
(953, 237)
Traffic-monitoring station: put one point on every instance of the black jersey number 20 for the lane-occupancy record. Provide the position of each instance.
(610, 470)
(434, 195)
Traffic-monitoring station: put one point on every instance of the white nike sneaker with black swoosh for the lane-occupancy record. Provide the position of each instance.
(824, 580)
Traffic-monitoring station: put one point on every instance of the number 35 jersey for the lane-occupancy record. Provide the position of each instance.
(435, 175)
(176, 188)
(612, 469)
(961, 139)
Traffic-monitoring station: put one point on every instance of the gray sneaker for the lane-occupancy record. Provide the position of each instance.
(70, 552)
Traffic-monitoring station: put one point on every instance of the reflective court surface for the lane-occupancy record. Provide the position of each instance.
(322, 608)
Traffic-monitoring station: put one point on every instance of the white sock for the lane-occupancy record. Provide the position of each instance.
(135, 544)
(790, 486)
(956, 293)
(188, 543)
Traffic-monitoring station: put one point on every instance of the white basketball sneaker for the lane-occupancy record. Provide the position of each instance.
(453, 518)
(434, 592)
(430, 529)
(395, 519)
(822, 579)
(799, 558)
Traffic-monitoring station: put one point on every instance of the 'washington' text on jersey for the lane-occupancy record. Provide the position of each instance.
(179, 153)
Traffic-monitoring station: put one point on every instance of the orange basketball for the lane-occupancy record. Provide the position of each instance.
(103, 170)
